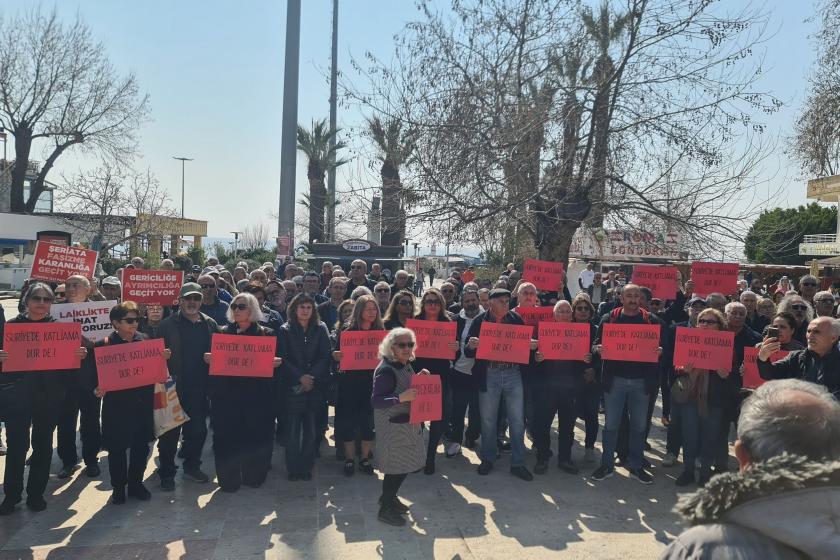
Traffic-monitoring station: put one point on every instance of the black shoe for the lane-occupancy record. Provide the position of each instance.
(469, 442)
(349, 467)
(66, 472)
(365, 466)
(307, 476)
(704, 477)
(229, 489)
(648, 447)
(339, 452)
(429, 468)
(196, 474)
(92, 470)
(258, 484)
(621, 461)
(167, 484)
(484, 468)
(541, 467)
(8, 506)
(118, 496)
(36, 503)
(505, 447)
(137, 490)
(522, 472)
(387, 514)
(602, 472)
(398, 506)
(685, 479)
(641, 475)
(568, 467)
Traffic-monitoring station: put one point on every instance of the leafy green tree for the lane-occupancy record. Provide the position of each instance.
(775, 236)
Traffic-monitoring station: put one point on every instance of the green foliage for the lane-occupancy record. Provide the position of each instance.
(775, 236)
(182, 262)
(196, 254)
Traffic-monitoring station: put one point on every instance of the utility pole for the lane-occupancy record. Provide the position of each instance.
(333, 123)
(183, 160)
(235, 243)
(288, 149)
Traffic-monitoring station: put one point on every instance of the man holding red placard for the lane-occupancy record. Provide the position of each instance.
(496, 379)
(626, 383)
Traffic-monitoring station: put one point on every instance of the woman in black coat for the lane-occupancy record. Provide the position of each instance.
(35, 399)
(242, 408)
(304, 346)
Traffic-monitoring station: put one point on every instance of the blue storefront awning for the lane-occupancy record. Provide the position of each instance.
(14, 241)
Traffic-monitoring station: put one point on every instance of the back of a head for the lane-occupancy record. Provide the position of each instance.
(792, 416)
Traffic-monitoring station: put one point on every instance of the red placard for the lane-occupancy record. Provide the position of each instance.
(242, 355)
(545, 275)
(662, 280)
(152, 286)
(535, 315)
(752, 379)
(56, 262)
(360, 349)
(711, 277)
(704, 349)
(41, 346)
(126, 366)
(564, 341)
(630, 342)
(500, 342)
(428, 406)
(433, 338)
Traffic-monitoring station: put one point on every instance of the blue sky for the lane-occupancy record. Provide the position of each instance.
(214, 71)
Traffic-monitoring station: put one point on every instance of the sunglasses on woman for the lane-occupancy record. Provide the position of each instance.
(707, 322)
(41, 299)
(404, 345)
(799, 307)
(431, 302)
(404, 302)
(239, 306)
(130, 320)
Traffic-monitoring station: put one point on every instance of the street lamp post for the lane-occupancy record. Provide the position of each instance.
(235, 243)
(183, 160)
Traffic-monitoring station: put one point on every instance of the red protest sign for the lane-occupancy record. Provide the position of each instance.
(54, 262)
(433, 338)
(126, 366)
(704, 349)
(564, 341)
(242, 355)
(428, 406)
(752, 379)
(630, 342)
(360, 349)
(152, 286)
(545, 275)
(535, 315)
(662, 280)
(711, 277)
(41, 346)
(500, 342)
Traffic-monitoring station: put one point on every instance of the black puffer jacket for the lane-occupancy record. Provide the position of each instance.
(806, 365)
(304, 352)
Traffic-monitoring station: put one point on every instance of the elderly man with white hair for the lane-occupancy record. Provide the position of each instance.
(824, 304)
(783, 502)
(755, 320)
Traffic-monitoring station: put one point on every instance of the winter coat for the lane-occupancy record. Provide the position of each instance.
(784, 508)
(806, 365)
(304, 352)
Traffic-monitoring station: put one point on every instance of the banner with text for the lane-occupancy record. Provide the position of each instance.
(704, 349)
(535, 315)
(152, 286)
(428, 406)
(710, 277)
(564, 341)
(41, 346)
(360, 349)
(500, 342)
(92, 315)
(433, 338)
(662, 280)
(752, 379)
(57, 263)
(630, 343)
(545, 275)
(127, 366)
(242, 355)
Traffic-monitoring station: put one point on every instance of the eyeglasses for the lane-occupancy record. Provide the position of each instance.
(41, 299)
(431, 302)
(207, 286)
(129, 320)
(812, 284)
(192, 297)
(404, 345)
(582, 309)
(799, 307)
(707, 322)
(382, 290)
(404, 302)
(239, 306)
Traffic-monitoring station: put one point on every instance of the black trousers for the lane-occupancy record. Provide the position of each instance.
(128, 470)
(588, 401)
(301, 440)
(548, 402)
(167, 445)
(390, 486)
(243, 426)
(194, 402)
(438, 427)
(464, 389)
(25, 428)
(79, 402)
(353, 411)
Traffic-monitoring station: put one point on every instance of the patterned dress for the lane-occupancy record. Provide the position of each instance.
(400, 447)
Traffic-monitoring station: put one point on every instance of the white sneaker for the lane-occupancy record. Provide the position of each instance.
(589, 455)
(669, 460)
(453, 449)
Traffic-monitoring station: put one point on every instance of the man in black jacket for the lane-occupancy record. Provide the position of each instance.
(819, 363)
(462, 382)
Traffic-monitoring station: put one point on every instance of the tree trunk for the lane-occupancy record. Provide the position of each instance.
(317, 200)
(38, 185)
(391, 234)
(601, 117)
(23, 145)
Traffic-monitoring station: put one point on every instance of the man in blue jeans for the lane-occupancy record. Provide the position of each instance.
(628, 384)
(497, 379)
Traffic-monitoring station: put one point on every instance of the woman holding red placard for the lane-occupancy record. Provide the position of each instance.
(698, 398)
(128, 423)
(353, 411)
(432, 309)
(242, 408)
(589, 398)
(34, 401)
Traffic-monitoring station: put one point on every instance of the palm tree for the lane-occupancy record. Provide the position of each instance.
(395, 148)
(315, 143)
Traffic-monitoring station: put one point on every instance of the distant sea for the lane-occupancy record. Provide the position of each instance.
(227, 242)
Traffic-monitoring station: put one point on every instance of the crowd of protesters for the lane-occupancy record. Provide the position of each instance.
(491, 406)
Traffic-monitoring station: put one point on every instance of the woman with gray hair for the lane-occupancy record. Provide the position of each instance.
(400, 448)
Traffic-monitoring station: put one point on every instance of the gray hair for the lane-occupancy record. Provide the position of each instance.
(386, 347)
(359, 292)
(748, 293)
(734, 305)
(788, 300)
(253, 306)
(790, 416)
(37, 287)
